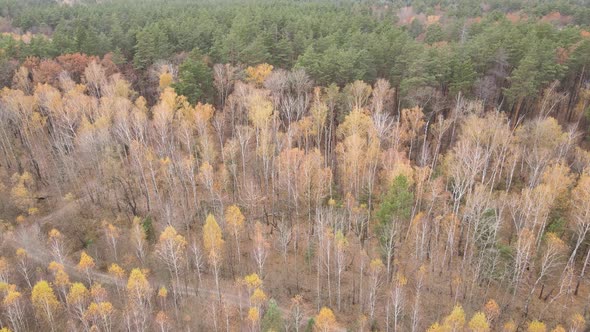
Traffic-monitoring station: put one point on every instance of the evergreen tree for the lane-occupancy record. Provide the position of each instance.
(195, 78)
(272, 319)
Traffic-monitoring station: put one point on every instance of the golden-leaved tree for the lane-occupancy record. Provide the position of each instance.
(213, 243)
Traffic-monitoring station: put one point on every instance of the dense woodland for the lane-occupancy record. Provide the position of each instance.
(271, 165)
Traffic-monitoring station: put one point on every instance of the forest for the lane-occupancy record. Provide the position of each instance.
(296, 166)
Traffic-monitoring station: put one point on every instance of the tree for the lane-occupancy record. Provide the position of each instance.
(138, 300)
(456, 319)
(61, 279)
(112, 234)
(253, 318)
(138, 238)
(325, 321)
(86, 264)
(235, 220)
(395, 209)
(491, 310)
(577, 322)
(24, 265)
(45, 303)
(213, 243)
(536, 326)
(398, 298)
(118, 273)
(101, 314)
(273, 318)
(479, 323)
(259, 73)
(152, 44)
(57, 245)
(14, 307)
(296, 312)
(77, 300)
(341, 244)
(375, 273)
(171, 249)
(261, 246)
(195, 79)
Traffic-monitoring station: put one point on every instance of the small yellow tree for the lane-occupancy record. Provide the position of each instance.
(57, 245)
(325, 321)
(14, 308)
(77, 300)
(509, 326)
(45, 303)
(138, 299)
(100, 314)
(253, 318)
(536, 326)
(456, 319)
(235, 221)
(491, 310)
(171, 249)
(85, 265)
(258, 74)
(213, 243)
(479, 323)
(577, 323)
(118, 273)
(112, 234)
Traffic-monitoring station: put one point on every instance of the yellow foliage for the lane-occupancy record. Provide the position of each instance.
(12, 296)
(558, 328)
(258, 74)
(252, 281)
(577, 322)
(492, 310)
(20, 193)
(536, 326)
(357, 122)
(436, 327)
(162, 318)
(97, 310)
(61, 278)
(376, 265)
(112, 230)
(78, 294)
(479, 323)
(234, 218)
(258, 297)
(401, 280)
(33, 211)
(253, 315)
(44, 300)
(212, 237)
(116, 271)
(69, 197)
(86, 262)
(138, 286)
(54, 234)
(165, 80)
(21, 253)
(456, 319)
(260, 110)
(325, 321)
(98, 292)
(162, 292)
(340, 241)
